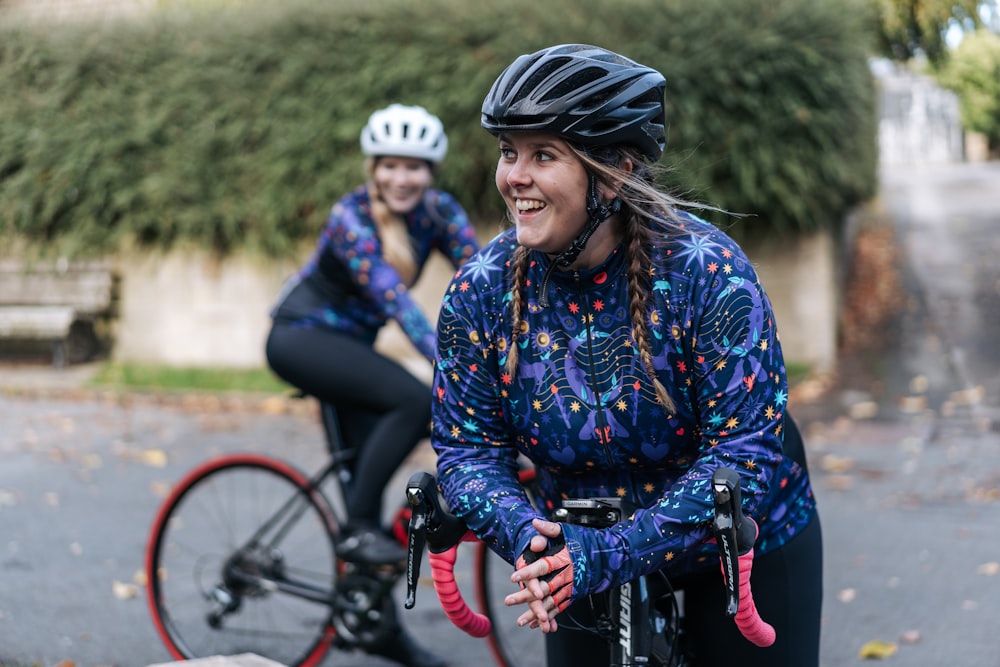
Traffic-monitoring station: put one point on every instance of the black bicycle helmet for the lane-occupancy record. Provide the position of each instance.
(585, 94)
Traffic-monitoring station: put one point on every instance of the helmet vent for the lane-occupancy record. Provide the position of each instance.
(536, 80)
(578, 81)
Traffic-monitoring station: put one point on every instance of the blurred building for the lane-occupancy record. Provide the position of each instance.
(919, 121)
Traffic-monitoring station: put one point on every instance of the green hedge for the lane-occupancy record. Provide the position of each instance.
(237, 128)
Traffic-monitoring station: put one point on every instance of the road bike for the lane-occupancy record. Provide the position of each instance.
(241, 558)
(640, 620)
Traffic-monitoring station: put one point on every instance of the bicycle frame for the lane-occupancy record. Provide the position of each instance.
(630, 602)
(285, 517)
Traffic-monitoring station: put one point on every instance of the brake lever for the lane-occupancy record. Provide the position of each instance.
(734, 536)
(431, 526)
(416, 497)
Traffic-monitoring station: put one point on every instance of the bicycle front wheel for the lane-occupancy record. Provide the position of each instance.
(512, 646)
(240, 559)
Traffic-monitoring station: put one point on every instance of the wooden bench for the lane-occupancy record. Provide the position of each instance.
(67, 305)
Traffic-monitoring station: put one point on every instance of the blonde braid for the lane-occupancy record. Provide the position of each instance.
(639, 238)
(519, 262)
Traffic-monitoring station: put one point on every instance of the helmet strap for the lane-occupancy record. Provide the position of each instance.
(597, 212)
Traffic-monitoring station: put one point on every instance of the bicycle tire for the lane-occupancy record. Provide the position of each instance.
(511, 646)
(193, 547)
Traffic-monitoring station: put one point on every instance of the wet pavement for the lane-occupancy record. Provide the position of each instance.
(904, 446)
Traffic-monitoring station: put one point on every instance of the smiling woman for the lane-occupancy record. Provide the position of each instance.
(627, 348)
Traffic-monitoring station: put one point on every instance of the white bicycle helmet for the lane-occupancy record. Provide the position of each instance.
(404, 131)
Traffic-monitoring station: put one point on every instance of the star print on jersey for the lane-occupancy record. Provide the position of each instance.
(581, 405)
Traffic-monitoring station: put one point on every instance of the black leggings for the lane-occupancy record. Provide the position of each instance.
(383, 410)
(788, 590)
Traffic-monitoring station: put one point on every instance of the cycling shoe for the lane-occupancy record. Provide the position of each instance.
(370, 546)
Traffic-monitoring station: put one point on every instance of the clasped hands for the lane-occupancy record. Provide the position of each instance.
(545, 574)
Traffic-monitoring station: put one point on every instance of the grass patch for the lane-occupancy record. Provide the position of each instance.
(797, 371)
(167, 378)
(255, 380)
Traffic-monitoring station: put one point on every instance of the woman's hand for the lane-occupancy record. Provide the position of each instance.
(546, 581)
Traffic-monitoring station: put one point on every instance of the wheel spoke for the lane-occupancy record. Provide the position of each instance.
(210, 599)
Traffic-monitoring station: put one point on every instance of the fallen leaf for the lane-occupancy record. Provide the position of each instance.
(989, 569)
(847, 595)
(912, 404)
(273, 405)
(831, 463)
(863, 410)
(156, 458)
(970, 396)
(919, 384)
(840, 482)
(124, 591)
(910, 637)
(877, 650)
(160, 489)
(91, 461)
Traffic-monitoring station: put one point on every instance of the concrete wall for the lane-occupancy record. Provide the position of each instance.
(803, 279)
(188, 309)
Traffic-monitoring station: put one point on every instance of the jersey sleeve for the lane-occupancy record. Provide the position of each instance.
(352, 239)
(456, 237)
(477, 462)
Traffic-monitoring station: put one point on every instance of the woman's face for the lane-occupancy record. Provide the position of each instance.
(545, 187)
(401, 181)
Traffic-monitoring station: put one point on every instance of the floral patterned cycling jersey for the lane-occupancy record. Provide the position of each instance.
(581, 406)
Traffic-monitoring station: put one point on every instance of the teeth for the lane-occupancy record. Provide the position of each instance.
(528, 204)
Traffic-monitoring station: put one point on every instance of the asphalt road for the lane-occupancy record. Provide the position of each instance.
(905, 460)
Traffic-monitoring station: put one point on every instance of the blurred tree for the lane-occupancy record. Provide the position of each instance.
(973, 72)
(911, 27)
